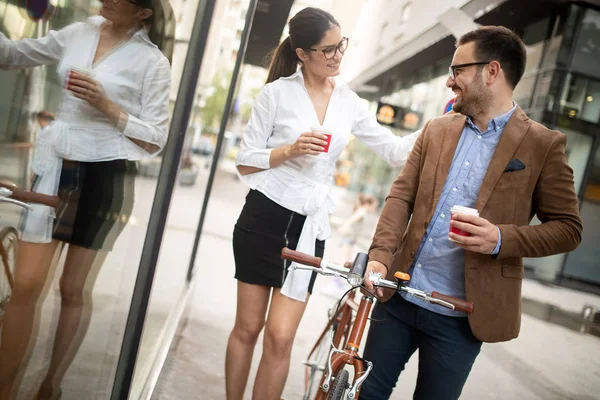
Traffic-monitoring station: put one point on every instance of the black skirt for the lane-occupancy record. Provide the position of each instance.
(262, 230)
(95, 197)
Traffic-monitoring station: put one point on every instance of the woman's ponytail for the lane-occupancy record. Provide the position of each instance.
(284, 61)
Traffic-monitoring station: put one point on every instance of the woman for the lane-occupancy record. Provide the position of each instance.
(289, 205)
(114, 111)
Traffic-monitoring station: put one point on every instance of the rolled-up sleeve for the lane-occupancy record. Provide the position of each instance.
(253, 148)
(393, 149)
(152, 123)
(24, 53)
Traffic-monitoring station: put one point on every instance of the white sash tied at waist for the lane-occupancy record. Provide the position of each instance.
(316, 226)
(47, 165)
(51, 148)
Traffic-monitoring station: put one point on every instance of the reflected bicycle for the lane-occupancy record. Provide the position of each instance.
(9, 236)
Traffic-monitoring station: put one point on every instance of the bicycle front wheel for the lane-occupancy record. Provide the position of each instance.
(315, 365)
(340, 384)
(8, 258)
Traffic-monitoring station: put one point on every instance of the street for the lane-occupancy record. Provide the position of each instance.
(548, 361)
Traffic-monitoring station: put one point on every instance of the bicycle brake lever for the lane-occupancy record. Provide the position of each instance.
(306, 268)
(375, 278)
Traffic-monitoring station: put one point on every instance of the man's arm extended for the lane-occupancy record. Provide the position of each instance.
(398, 208)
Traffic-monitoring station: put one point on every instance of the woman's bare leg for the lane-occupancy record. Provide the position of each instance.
(76, 285)
(281, 327)
(33, 263)
(252, 304)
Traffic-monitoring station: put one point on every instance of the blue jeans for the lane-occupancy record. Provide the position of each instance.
(447, 351)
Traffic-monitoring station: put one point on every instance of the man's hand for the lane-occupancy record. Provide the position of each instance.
(376, 267)
(484, 234)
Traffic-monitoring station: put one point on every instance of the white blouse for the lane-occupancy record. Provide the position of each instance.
(282, 111)
(135, 75)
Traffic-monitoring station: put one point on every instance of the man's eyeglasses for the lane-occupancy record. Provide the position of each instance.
(329, 51)
(453, 68)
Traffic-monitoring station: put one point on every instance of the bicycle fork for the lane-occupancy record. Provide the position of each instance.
(338, 358)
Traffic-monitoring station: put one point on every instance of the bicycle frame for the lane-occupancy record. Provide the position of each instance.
(339, 323)
(349, 356)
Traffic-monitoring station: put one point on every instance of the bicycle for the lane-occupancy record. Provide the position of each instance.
(347, 324)
(9, 236)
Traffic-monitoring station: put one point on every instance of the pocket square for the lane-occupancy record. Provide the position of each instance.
(514, 165)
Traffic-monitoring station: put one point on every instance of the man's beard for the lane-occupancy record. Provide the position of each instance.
(474, 101)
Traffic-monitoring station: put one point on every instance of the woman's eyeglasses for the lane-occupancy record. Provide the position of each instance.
(329, 51)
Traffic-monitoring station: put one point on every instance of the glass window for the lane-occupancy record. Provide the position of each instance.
(581, 98)
(195, 164)
(591, 102)
(587, 49)
(79, 285)
(578, 152)
(583, 262)
(541, 59)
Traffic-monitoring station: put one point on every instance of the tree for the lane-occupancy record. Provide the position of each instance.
(213, 108)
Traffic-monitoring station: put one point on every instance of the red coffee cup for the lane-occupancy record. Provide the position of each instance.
(327, 137)
(462, 210)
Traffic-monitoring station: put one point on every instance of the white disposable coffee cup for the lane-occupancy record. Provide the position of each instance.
(77, 69)
(327, 133)
(462, 210)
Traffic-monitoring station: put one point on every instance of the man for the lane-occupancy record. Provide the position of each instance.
(489, 156)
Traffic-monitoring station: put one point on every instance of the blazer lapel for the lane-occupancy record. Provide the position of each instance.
(511, 138)
(448, 145)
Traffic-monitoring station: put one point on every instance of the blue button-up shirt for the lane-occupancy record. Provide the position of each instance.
(440, 264)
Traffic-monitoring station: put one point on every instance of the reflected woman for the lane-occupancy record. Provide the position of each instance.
(114, 111)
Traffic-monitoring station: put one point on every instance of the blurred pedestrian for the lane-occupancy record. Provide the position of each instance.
(350, 229)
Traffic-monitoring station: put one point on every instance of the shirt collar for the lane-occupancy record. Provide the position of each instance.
(141, 33)
(295, 75)
(497, 123)
(298, 75)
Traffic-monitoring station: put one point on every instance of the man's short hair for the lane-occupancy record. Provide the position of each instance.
(497, 43)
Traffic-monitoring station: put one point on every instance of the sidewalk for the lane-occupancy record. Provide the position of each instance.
(548, 361)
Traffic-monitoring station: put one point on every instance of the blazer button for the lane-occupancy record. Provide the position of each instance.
(412, 254)
(426, 224)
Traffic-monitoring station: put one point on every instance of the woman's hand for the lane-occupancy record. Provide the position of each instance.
(88, 89)
(308, 143)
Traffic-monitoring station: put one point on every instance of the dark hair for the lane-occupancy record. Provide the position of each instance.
(497, 43)
(307, 28)
(161, 26)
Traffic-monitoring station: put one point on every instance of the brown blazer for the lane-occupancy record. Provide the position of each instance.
(507, 199)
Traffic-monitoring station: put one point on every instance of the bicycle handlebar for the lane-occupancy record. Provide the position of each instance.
(301, 258)
(324, 267)
(459, 304)
(20, 196)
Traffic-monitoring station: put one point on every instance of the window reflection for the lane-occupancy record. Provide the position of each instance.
(82, 104)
